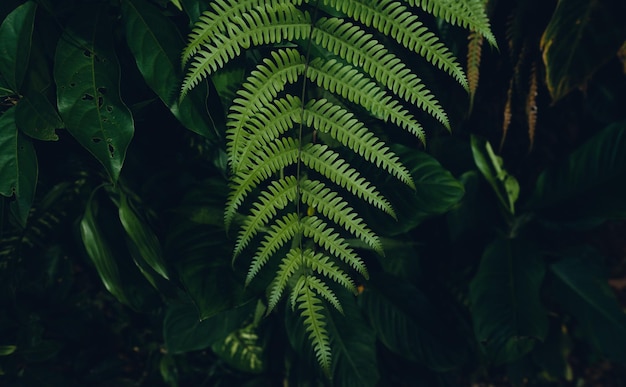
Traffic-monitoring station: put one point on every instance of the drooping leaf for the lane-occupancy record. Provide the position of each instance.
(37, 117)
(436, 191)
(504, 295)
(407, 323)
(87, 75)
(156, 45)
(142, 237)
(183, 330)
(581, 36)
(18, 166)
(581, 288)
(589, 183)
(100, 253)
(15, 40)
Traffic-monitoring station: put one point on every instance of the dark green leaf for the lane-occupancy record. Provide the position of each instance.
(589, 183)
(183, 331)
(156, 45)
(16, 32)
(142, 237)
(100, 252)
(504, 295)
(581, 36)
(408, 324)
(87, 75)
(6, 350)
(436, 191)
(194, 9)
(18, 166)
(582, 289)
(37, 117)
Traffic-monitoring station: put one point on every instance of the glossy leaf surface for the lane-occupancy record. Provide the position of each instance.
(15, 40)
(87, 75)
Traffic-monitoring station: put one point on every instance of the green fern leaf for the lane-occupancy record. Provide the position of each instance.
(219, 19)
(259, 90)
(267, 24)
(356, 87)
(326, 237)
(393, 19)
(345, 128)
(292, 261)
(324, 291)
(324, 265)
(311, 309)
(275, 157)
(328, 163)
(354, 45)
(280, 233)
(468, 14)
(276, 197)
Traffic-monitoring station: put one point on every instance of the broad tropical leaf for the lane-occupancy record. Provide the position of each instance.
(16, 33)
(37, 117)
(87, 75)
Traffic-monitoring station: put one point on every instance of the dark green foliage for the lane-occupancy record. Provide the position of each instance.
(277, 200)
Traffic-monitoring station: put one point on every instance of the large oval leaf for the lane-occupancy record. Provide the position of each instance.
(589, 183)
(16, 32)
(581, 36)
(156, 45)
(87, 74)
(506, 308)
(582, 289)
(37, 117)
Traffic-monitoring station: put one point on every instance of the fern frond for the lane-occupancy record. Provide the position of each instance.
(474, 54)
(324, 291)
(324, 265)
(267, 124)
(280, 233)
(276, 197)
(353, 85)
(531, 104)
(328, 163)
(356, 46)
(290, 263)
(328, 117)
(275, 156)
(334, 207)
(393, 19)
(311, 310)
(468, 14)
(260, 89)
(263, 25)
(221, 17)
(326, 237)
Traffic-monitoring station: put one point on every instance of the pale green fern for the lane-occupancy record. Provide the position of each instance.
(296, 107)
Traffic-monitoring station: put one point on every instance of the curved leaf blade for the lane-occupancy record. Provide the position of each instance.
(581, 37)
(16, 32)
(506, 308)
(87, 75)
(37, 117)
(156, 43)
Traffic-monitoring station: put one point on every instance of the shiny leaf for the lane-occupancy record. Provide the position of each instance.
(504, 295)
(87, 75)
(15, 40)
(156, 45)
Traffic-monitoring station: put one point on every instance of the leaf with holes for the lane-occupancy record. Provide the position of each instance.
(87, 75)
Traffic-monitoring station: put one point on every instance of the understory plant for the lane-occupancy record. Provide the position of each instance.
(318, 192)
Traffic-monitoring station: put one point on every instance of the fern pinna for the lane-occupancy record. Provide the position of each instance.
(301, 101)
